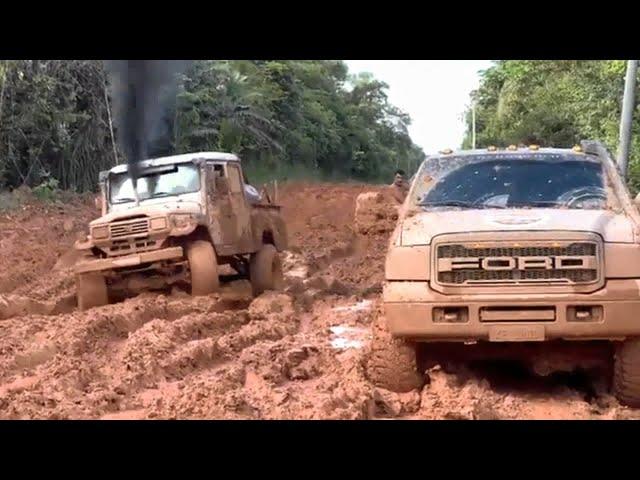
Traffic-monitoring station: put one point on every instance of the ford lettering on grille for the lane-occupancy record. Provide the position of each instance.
(570, 264)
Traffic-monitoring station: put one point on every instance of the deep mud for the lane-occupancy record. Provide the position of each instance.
(298, 354)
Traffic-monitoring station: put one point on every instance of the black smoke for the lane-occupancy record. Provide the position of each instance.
(143, 93)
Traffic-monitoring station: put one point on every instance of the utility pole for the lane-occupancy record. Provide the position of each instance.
(473, 124)
(628, 106)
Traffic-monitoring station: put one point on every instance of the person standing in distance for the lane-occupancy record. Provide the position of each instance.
(399, 187)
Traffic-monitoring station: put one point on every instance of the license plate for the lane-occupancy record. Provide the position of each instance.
(127, 262)
(516, 333)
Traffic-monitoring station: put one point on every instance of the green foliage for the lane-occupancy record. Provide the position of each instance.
(552, 103)
(302, 116)
(53, 122)
(286, 119)
(47, 190)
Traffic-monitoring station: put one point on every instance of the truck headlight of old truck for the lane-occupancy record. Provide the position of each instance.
(100, 232)
(182, 220)
(159, 223)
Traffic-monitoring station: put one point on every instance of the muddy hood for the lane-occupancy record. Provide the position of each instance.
(424, 226)
(151, 210)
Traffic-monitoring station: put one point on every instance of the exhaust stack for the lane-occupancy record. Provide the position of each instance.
(142, 92)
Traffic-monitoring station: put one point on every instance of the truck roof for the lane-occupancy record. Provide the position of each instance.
(184, 158)
(521, 151)
(524, 153)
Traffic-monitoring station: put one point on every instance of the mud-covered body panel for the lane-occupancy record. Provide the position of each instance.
(151, 210)
(514, 274)
(112, 263)
(409, 309)
(268, 220)
(422, 227)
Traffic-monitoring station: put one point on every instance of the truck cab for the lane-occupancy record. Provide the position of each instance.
(188, 216)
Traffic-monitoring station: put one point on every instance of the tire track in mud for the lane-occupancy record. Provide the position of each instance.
(298, 355)
(120, 350)
(150, 349)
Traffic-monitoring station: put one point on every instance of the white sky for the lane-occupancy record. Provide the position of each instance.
(433, 92)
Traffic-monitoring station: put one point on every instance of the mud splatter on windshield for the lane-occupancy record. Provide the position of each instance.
(510, 181)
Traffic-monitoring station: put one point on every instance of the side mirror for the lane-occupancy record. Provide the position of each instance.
(98, 202)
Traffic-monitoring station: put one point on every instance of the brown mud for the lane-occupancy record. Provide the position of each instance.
(299, 354)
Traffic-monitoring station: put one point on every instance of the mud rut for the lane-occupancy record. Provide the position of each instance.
(293, 355)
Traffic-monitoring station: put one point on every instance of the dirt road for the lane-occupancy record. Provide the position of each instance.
(292, 355)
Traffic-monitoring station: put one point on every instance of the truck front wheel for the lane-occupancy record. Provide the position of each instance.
(91, 290)
(626, 374)
(265, 270)
(203, 266)
(392, 361)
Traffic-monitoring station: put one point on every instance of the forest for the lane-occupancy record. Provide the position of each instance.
(553, 103)
(291, 119)
(286, 120)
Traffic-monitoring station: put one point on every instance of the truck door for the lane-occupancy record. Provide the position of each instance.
(239, 205)
(219, 210)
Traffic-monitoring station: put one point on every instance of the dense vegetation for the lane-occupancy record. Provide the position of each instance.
(284, 118)
(553, 103)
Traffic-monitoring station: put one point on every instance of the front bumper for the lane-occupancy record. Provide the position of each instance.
(112, 263)
(409, 310)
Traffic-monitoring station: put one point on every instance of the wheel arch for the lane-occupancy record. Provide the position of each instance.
(269, 230)
(200, 233)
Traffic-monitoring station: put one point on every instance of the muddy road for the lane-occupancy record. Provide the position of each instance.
(298, 354)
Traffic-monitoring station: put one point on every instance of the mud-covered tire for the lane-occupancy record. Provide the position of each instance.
(626, 373)
(203, 265)
(265, 270)
(392, 361)
(91, 290)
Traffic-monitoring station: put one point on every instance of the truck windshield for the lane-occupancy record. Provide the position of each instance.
(170, 180)
(549, 181)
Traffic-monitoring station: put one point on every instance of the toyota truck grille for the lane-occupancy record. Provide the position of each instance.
(572, 263)
(129, 228)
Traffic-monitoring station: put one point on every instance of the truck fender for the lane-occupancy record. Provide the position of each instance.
(270, 226)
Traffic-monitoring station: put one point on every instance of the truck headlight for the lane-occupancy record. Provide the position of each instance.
(100, 232)
(159, 223)
(408, 263)
(181, 220)
(622, 260)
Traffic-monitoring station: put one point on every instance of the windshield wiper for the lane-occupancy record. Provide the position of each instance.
(161, 194)
(536, 204)
(123, 200)
(457, 203)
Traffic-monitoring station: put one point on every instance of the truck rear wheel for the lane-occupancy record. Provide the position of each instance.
(626, 373)
(203, 265)
(392, 362)
(91, 290)
(265, 270)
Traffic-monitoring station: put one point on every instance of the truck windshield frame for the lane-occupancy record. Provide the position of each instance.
(511, 181)
(156, 182)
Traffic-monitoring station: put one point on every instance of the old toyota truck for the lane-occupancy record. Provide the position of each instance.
(188, 217)
(515, 246)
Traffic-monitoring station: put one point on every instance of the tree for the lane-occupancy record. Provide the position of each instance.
(553, 103)
(53, 123)
(55, 120)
